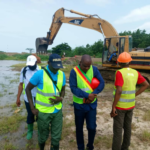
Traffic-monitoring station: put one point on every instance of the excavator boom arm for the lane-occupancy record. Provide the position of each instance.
(88, 21)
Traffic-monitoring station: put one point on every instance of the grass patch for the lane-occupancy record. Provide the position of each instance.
(18, 67)
(1, 95)
(144, 136)
(14, 81)
(146, 116)
(3, 56)
(11, 123)
(109, 86)
(67, 129)
(133, 126)
(97, 63)
(67, 70)
(9, 146)
(3, 85)
(103, 141)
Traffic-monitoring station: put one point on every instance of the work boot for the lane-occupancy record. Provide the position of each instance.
(42, 145)
(30, 131)
(54, 147)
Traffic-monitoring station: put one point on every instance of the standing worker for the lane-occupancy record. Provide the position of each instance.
(124, 101)
(84, 99)
(50, 82)
(26, 73)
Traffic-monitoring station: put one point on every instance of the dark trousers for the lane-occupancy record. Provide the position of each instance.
(30, 116)
(90, 117)
(122, 121)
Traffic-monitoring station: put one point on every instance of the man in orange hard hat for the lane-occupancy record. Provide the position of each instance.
(124, 101)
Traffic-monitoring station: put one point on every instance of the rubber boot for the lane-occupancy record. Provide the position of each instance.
(54, 147)
(30, 131)
(42, 145)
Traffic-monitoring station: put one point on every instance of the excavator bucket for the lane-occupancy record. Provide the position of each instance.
(41, 45)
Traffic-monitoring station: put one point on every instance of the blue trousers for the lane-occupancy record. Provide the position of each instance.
(30, 116)
(90, 117)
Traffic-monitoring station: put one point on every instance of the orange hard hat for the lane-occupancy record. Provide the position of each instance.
(124, 57)
(94, 83)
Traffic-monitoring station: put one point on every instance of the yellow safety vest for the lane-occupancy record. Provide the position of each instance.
(81, 85)
(42, 102)
(127, 99)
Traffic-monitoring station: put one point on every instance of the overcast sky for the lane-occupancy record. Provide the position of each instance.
(22, 21)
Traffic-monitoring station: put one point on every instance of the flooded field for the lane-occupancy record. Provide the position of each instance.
(13, 126)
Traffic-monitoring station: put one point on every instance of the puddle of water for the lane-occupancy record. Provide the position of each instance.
(9, 82)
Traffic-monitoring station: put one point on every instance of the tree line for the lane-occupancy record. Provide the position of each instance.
(140, 39)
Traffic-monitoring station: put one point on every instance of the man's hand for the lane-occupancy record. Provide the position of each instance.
(92, 96)
(18, 102)
(55, 101)
(35, 111)
(87, 101)
(113, 112)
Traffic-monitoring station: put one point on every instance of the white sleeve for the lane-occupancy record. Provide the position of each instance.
(21, 76)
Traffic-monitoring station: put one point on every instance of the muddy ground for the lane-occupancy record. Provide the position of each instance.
(13, 127)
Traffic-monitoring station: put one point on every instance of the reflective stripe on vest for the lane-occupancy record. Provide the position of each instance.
(127, 98)
(81, 85)
(47, 94)
(42, 103)
(45, 104)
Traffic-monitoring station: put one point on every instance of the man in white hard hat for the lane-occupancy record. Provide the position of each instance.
(25, 75)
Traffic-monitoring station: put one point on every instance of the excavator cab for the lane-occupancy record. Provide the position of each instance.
(113, 46)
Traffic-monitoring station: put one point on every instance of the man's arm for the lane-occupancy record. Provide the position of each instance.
(20, 89)
(62, 93)
(29, 96)
(116, 99)
(144, 86)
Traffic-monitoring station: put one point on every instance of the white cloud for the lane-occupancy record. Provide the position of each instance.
(98, 2)
(135, 15)
(145, 26)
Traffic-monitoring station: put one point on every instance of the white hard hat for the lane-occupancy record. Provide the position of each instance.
(31, 60)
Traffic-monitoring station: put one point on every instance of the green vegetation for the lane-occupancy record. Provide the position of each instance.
(9, 146)
(103, 141)
(67, 70)
(92, 50)
(11, 123)
(144, 136)
(146, 116)
(97, 63)
(140, 38)
(18, 67)
(3, 56)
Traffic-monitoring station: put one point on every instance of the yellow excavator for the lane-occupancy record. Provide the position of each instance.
(113, 43)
